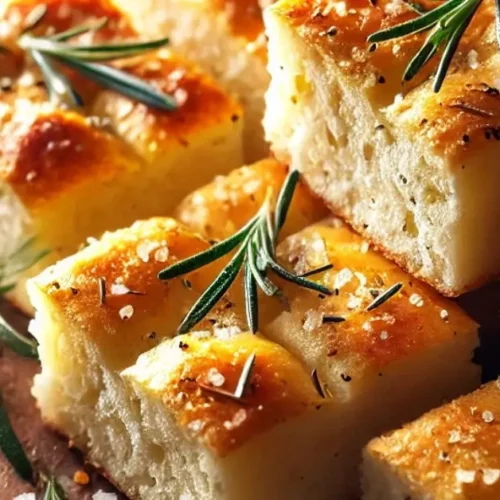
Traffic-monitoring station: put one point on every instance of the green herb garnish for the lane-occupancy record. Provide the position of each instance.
(13, 449)
(385, 296)
(54, 491)
(256, 254)
(447, 23)
(47, 50)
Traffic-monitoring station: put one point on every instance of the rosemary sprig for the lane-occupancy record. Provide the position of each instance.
(24, 257)
(447, 23)
(53, 490)
(13, 449)
(256, 254)
(20, 344)
(82, 58)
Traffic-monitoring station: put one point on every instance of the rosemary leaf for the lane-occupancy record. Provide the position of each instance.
(266, 285)
(318, 270)
(58, 86)
(424, 55)
(497, 20)
(385, 296)
(7, 288)
(317, 383)
(251, 301)
(213, 293)
(414, 25)
(13, 449)
(245, 377)
(285, 199)
(453, 42)
(281, 271)
(18, 343)
(206, 257)
(54, 491)
(103, 52)
(80, 30)
(121, 82)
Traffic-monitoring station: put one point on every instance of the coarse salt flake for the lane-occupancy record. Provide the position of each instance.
(126, 312)
(226, 332)
(488, 416)
(145, 248)
(239, 417)
(215, 377)
(465, 476)
(119, 289)
(313, 320)
(491, 476)
(343, 277)
(444, 315)
(384, 335)
(454, 437)
(196, 425)
(416, 300)
(472, 61)
(161, 255)
(365, 246)
(102, 495)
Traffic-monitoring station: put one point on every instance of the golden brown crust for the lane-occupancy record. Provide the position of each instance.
(45, 152)
(452, 452)
(279, 387)
(147, 309)
(244, 17)
(413, 321)
(201, 105)
(440, 120)
(228, 203)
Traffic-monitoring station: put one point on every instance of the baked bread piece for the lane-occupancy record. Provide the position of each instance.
(86, 342)
(220, 208)
(226, 37)
(279, 441)
(413, 171)
(66, 176)
(451, 453)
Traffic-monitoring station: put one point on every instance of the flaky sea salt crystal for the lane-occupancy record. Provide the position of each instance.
(215, 377)
(465, 476)
(491, 476)
(126, 312)
(313, 320)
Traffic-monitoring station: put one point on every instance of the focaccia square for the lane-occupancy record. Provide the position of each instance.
(451, 453)
(226, 37)
(66, 175)
(413, 171)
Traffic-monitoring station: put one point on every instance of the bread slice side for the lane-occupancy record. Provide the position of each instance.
(398, 169)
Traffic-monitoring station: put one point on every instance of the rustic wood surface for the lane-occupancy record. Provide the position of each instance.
(50, 452)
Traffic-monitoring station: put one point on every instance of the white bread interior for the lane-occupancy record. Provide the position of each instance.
(421, 208)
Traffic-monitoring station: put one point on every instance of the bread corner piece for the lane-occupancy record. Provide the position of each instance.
(452, 452)
(98, 310)
(227, 39)
(225, 205)
(412, 170)
(66, 176)
(386, 363)
(193, 442)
